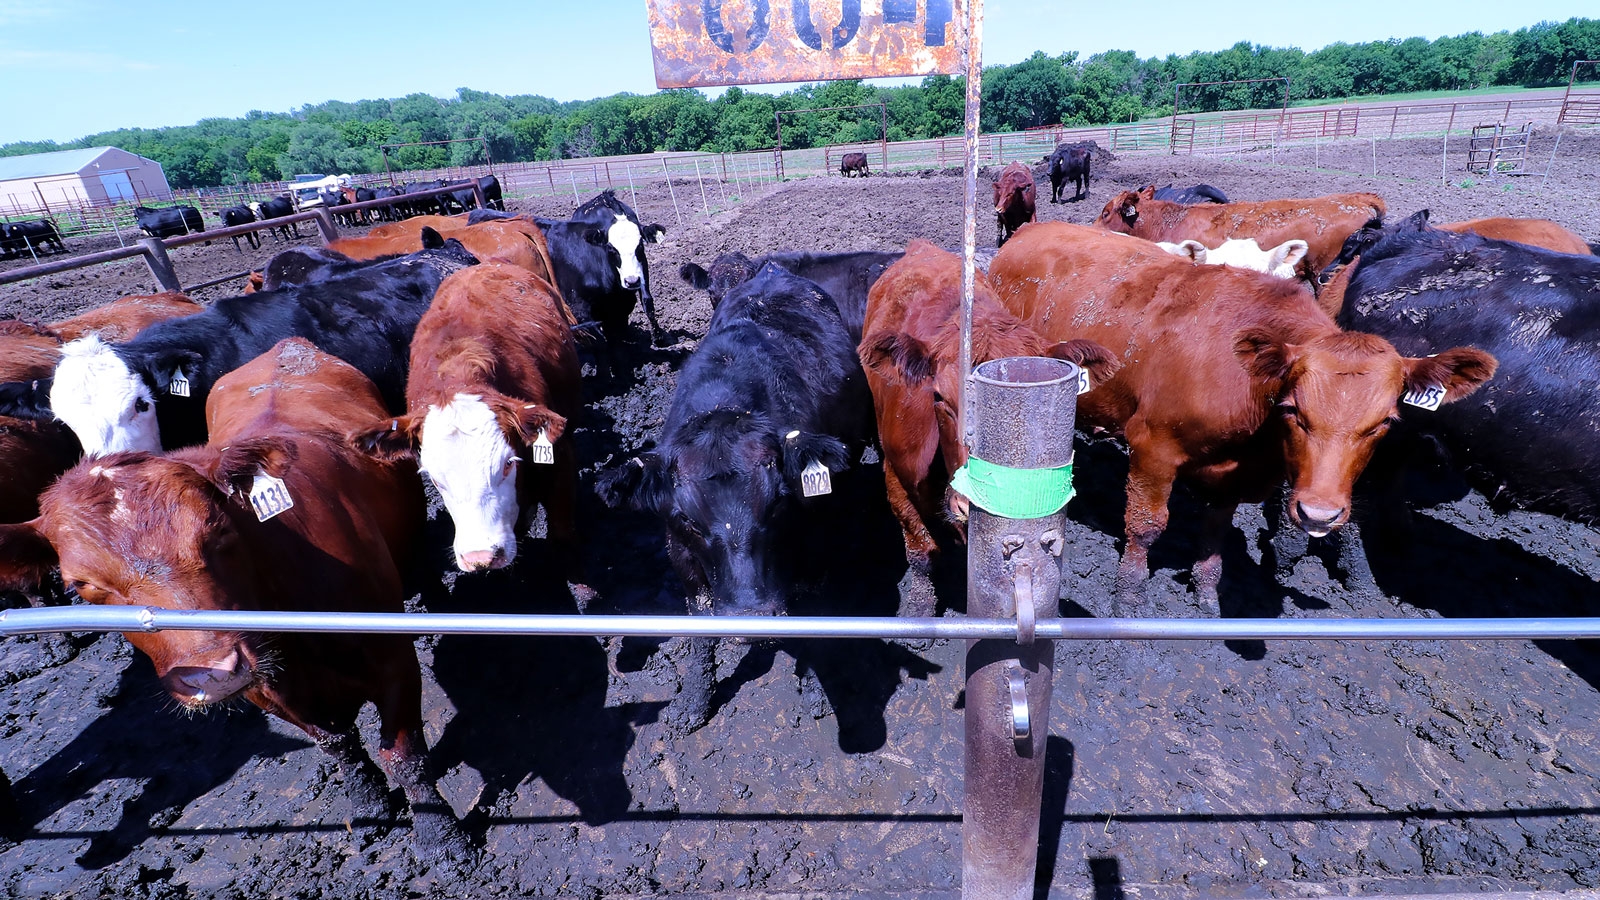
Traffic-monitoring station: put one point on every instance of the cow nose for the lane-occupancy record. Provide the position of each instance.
(1319, 520)
(478, 560)
(630, 282)
(208, 684)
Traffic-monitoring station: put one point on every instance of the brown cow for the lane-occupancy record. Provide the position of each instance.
(1535, 232)
(193, 530)
(853, 164)
(516, 240)
(909, 349)
(1231, 380)
(494, 379)
(125, 317)
(1322, 222)
(1013, 200)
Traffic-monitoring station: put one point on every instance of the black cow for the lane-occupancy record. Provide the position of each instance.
(846, 277)
(168, 222)
(1200, 193)
(105, 393)
(240, 215)
(773, 396)
(310, 265)
(28, 237)
(853, 164)
(277, 208)
(492, 197)
(387, 213)
(1070, 161)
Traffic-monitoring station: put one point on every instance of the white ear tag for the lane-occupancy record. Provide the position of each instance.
(816, 479)
(269, 496)
(542, 452)
(179, 385)
(1083, 380)
(1428, 397)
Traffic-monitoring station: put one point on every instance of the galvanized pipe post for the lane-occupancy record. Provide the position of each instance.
(155, 256)
(1020, 415)
(330, 231)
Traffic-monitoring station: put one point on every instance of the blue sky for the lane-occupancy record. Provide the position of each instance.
(76, 67)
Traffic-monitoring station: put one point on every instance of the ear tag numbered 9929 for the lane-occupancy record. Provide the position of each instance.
(1427, 397)
(542, 452)
(269, 496)
(815, 479)
(1083, 380)
(179, 385)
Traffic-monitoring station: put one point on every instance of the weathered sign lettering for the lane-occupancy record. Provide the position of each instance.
(703, 43)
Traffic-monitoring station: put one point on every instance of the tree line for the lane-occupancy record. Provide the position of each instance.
(1104, 88)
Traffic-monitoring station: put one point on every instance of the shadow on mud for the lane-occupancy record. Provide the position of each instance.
(176, 759)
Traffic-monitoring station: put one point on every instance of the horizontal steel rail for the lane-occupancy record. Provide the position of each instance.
(151, 619)
(67, 263)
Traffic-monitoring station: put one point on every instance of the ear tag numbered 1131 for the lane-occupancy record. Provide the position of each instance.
(1426, 397)
(815, 479)
(269, 496)
(179, 385)
(542, 452)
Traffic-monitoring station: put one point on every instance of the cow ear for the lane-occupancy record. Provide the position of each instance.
(1417, 221)
(1100, 362)
(168, 362)
(1262, 355)
(1288, 253)
(395, 439)
(26, 557)
(1190, 250)
(27, 399)
(802, 448)
(901, 352)
(595, 236)
(1459, 370)
(642, 483)
(696, 276)
(237, 465)
(1148, 192)
(654, 234)
(526, 420)
(1128, 206)
(431, 240)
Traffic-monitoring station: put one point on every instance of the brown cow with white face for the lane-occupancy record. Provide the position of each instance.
(1322, 222)
(909, 350)
(494, 379)
(196, 529)
(1232, 380)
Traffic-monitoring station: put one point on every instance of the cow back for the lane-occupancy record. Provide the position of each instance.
(27, 351)
(125, 317)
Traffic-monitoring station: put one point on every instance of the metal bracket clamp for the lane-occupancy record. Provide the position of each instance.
(1021, 716)
(1022, 592)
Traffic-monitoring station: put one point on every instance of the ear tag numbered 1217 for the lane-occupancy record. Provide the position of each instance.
(269, 496)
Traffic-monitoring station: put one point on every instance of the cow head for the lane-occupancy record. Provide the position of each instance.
(1282, 261)
(474, 448)
(108, 399)
(623, 242)
(140, 530)
(727, 272)
(1335, 396)
(723, 496)
(1121, 213)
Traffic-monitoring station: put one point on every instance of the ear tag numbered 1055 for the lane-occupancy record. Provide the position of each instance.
(179, 385)
(269, 496)
(815, 479)
(542, 452)
(1083, 380)
(1427, 397)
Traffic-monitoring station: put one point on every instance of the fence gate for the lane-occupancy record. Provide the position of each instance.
(1580, 106)
(1494, 150)
(1182, 134)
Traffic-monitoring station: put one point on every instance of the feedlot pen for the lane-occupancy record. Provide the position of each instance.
(1240, 768)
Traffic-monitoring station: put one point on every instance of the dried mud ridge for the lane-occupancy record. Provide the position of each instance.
(1174, 769)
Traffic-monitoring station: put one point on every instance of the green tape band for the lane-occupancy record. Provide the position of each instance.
(1014, 493)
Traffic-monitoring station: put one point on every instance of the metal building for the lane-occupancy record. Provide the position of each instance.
(96, 176)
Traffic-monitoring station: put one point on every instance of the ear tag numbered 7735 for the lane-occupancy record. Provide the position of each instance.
(1083, 380)
(815, 479)
(542, 452)
(269, 496)
(1427, 397)
(179, 385)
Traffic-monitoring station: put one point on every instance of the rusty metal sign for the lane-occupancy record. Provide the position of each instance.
(705, 43)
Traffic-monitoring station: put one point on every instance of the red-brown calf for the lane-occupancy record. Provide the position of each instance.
(194, 530)
(1232, 380)
(1535, 232)
(1014, 197)
(909, 349)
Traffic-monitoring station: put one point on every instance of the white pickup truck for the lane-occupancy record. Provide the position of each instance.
(307, 193)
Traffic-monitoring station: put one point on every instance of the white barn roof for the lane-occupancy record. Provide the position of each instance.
(43, 165)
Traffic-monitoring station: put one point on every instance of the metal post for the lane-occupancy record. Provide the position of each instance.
(969, 201)
(1022, 411)
(155, 256)
(883, 109)
(631, 192)
(702, 179)
(573, 177)
(672, 191)
(477, 195)
(330, 232)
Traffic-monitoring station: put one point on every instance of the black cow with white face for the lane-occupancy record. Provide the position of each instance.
(149, 392)
(774, 389)
(846, 277)
(168, 222)
(240, 215)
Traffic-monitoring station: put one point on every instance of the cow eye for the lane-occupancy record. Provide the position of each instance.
(508, 468)
(141, 405)
(87, 591)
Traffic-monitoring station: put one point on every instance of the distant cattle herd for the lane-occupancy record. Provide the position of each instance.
(1265, 351)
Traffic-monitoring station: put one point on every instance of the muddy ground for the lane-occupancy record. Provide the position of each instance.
(1233, 769)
